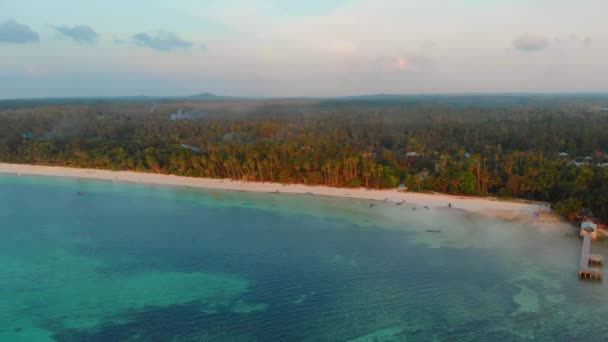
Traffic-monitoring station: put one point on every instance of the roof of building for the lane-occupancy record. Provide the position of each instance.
(588, 226)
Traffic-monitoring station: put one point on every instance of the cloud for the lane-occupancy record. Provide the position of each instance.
(161, 41)
(531, 42)
(80, 34)
(395, 63)
(573, 40)
(411, 63)
(14, 32)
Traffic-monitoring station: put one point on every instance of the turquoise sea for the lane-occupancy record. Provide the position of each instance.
(101, 261)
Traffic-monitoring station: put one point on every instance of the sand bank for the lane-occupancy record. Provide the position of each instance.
(517, 210)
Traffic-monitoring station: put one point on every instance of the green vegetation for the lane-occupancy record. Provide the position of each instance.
(506, 146)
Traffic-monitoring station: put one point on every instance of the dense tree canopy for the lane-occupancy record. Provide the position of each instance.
(504, 146)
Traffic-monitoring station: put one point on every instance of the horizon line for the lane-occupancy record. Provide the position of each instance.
(212, 96)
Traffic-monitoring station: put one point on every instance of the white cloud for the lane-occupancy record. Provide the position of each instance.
(405, 63)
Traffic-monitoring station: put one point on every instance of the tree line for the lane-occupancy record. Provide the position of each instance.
(507, 151)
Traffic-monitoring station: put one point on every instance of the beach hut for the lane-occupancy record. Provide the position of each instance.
(590, 228)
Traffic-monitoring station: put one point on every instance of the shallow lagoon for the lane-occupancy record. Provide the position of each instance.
(133, 262)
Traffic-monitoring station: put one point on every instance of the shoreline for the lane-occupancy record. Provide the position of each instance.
(488, 206)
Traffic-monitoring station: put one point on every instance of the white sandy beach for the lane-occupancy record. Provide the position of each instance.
(516, 210)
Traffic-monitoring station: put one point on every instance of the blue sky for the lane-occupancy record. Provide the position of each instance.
(300, 48)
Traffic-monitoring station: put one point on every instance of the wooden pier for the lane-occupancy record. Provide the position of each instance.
(587, 260)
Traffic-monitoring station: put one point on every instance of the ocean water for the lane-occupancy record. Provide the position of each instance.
(100, 261)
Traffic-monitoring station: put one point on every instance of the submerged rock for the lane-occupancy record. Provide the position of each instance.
(527, 300)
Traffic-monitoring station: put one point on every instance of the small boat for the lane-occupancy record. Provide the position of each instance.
(433, 230)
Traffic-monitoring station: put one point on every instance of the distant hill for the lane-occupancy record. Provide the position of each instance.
(208, 96)
(472, 100)
(597, 101)
(25, 102)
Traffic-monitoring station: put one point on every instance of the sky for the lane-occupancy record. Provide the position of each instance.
(289, 48)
